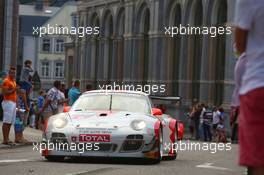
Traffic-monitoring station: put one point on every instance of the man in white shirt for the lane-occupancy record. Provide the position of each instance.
(249, 36)
(50, 106)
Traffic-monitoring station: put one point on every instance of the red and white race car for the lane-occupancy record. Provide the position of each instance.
(112, 124)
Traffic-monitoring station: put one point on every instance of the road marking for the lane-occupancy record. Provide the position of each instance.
(15, 160)
(96, 171)
(209, 166)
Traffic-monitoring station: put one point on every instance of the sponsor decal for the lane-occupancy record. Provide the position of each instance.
(94, 138)
(96, 130)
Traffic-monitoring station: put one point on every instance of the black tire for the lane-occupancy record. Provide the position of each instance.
(55, 158)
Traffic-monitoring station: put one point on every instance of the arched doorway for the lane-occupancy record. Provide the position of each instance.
(195, 49)
(143, 45)
(120, 44)
(95, 50)
(219, 55)
(174, 48)
(108, 44)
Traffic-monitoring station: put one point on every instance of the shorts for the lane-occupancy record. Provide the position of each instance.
(26, 86)
(9, 112)
(251, 128)
(18, 125)
(24, 118)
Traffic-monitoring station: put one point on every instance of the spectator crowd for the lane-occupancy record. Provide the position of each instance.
(21, 111)
(207, 123)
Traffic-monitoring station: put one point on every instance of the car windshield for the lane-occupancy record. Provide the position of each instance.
(115, 102)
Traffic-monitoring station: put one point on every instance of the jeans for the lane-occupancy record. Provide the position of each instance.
(207, 132)
(32, 120)
(234, 132)
(197, 129)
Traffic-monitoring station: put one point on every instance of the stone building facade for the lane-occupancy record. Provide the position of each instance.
(132, 47)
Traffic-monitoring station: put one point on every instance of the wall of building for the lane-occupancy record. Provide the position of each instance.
(30, 49)
(133, 48)
(63, 18)
(69, 62)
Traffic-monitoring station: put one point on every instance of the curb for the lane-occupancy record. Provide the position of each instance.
(2, 146)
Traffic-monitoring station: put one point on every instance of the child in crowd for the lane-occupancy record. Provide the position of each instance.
(32, 121)
(39, 105)
(220, 135)
(26, 77)
(21, 117)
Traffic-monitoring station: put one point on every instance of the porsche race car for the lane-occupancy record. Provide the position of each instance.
(112, 124)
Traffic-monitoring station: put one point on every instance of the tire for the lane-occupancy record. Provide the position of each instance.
(55, 158)
(160, 149)
(174, 157)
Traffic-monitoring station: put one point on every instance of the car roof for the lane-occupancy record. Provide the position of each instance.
(116, 91)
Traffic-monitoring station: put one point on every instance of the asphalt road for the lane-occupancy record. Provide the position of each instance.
(25, 161)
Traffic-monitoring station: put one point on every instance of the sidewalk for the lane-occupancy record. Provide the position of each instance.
(30, 134)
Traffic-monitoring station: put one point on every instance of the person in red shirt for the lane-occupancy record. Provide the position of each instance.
(9, 104)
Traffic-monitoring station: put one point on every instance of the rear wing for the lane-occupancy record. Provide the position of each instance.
(156, 100)
(176, 99)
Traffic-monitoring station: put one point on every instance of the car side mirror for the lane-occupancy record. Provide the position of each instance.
(66, 108)
(156, 111)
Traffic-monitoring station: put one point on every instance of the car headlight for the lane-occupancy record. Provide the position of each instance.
(138, 125)
(60, 123)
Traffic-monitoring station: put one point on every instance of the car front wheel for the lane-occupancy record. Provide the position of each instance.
(55, 158)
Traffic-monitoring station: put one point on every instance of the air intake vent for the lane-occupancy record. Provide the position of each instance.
(57, 134)
(132, 145)
(135, 137)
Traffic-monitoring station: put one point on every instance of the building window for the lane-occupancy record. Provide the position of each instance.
(59, 45)
(45, 68)
(74, 20)
(46, 45)
(59, 70)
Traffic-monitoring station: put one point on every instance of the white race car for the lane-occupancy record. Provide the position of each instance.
(112, 124)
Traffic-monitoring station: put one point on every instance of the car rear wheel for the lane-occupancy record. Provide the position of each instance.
(55, 158)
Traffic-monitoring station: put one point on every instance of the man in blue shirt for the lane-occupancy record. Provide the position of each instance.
(74, 92)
